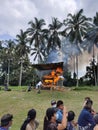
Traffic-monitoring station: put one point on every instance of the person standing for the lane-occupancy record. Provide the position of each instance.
(59, 112)
(85, 100)
(51, 120)
(71, 125)
(30, 123)
(6, 121)
(53, 103)
(85, 119)
(96, 121)
(38, 86)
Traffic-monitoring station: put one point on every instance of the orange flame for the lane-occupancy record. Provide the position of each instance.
(53, 77)
(59, 70)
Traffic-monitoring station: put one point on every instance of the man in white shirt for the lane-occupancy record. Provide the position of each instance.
(38, 86)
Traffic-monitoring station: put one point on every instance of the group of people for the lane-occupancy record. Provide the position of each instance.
(87, 119)
(30, 123)
(57, 118)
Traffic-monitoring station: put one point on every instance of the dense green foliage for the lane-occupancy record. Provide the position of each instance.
(37, 41)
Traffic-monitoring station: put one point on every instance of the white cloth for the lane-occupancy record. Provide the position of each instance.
(61, 77)
(38, 84)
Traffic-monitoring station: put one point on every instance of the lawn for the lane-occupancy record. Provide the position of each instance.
(18, 102)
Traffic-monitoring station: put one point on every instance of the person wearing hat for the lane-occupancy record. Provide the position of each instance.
(6, 121)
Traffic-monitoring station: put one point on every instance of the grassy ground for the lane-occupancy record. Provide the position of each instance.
(18, 102)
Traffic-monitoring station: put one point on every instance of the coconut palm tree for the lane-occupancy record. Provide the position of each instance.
(22, 50)
(22, 47)
(37, 37)
(95, 20)
(76, 27)
(91, 39)
(1, 48)
(8, 52)
(55, 33)
(38, 53)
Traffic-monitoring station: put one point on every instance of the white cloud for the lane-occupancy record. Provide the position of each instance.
(56, 8)
(15, 14)
(90, 7)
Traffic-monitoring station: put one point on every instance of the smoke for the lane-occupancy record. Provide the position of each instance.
(55, 56)
(67, 55)
(63, 54)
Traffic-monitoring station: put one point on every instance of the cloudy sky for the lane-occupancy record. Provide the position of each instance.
(15, 14)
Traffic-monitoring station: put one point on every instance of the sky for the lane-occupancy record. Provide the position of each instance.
(15, 14)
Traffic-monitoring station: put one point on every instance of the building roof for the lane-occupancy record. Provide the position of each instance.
(48, 66)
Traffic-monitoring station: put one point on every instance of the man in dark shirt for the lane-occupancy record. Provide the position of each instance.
(86, 120)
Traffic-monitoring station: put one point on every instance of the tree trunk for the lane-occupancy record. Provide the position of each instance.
(77, 70)
(8, 73)
(97, 70)
(20, 78)
(95, 79)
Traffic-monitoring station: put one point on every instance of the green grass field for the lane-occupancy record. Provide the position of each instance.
(18, 102)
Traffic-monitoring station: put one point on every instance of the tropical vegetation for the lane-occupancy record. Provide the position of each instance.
(38, 40)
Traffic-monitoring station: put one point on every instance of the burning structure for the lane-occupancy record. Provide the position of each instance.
(51, 74)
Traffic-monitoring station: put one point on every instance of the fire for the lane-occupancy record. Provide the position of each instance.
(59, 70)
(53, 73)
(53, 77)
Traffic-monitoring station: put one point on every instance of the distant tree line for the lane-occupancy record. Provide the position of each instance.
(38, 41)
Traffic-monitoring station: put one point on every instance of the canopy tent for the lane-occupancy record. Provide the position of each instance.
(48, 66)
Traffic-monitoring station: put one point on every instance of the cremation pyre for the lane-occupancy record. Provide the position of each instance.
(53, 77)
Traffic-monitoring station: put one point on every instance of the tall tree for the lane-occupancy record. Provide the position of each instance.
(55, 33)
(22, 47)
(95, 19)
(22, 50)
(91, 39)
(7, 53)
(37, 38)
(1, 48)
(76, 27)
